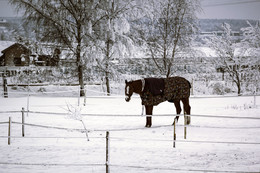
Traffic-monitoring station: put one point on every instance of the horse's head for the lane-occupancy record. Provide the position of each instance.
(129, 89)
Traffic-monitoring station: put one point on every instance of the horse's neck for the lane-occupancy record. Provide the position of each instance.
(138, 86)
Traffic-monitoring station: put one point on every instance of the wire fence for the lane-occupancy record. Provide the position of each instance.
(103, 93)
(135, 115)
(128, 138)
(107, 164)
(123, 166)
(141, 128)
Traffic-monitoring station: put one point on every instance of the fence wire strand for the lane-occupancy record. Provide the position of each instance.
(127, 138)
(52, 164)
(179, 169)
(135, 115)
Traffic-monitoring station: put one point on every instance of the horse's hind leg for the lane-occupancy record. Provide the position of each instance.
(178, 108)
(187, 109)
(149, 111)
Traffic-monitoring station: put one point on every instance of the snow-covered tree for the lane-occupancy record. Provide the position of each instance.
(251, 46)
(64, 22)
(112, 40)
(167, 30)
(231, 56)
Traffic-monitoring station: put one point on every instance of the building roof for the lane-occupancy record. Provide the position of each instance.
(13, 46)
(4, 45)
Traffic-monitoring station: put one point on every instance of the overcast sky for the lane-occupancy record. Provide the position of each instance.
(231, 9)
(216, 9)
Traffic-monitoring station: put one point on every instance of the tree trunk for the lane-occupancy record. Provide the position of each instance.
(79, 59)
(238, 87)
(107, 84)
(81, 82)
(238, 82)
(80, 71)
(107, 67)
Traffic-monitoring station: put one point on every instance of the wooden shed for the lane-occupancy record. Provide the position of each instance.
(15, 55)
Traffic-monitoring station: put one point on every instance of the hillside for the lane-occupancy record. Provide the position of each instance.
(209, 25)
(14, 26)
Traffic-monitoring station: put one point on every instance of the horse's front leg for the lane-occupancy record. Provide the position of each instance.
(149, 111)
(178, 110)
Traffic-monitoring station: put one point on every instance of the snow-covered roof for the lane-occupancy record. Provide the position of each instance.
(4, 45)
(205, 52)
(209, 52)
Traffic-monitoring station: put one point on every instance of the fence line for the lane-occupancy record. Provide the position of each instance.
(218, 142)
(4, 122)
(9, 112)
(113, 115)
(179, 169)
(170, 115)
(127, 138)
(51, 127)
(89, 130)
(107, 164)
(123, 166)
(50, 137)
(128, 129)
(141, 116)
(121, 96)
(134, 139)
(158, 115)
(220, 96)
(190, 141)
(105, 93)
(40, 93)
(52, 164)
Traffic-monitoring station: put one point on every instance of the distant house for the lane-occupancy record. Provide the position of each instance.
(15, 55)
(19, 55)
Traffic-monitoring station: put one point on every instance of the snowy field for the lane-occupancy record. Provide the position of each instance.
(233, 143)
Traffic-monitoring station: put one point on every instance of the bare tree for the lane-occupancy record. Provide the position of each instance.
(233, 58)
(67, 22)
(171, 25)
(112, 41)
(251, 46)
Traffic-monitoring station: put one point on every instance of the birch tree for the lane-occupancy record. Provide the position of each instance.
(251, 46)
(231, 56)
(171, 24)
(112, 41)
(66, 22)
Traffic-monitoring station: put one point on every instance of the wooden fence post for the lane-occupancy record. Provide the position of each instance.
(174, 133)
(23, 122)
(185, 124)
(9, 130)
(107, 152)
(28, 100)
(5, 86)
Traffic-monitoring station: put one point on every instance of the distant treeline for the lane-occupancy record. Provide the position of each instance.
(17, 27)
(210, 25)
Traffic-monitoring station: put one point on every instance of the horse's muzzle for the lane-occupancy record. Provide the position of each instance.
(127, 99)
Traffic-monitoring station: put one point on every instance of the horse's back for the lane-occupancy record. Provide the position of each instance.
(177, 88)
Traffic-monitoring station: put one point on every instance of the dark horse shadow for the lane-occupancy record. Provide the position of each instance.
(153, 91)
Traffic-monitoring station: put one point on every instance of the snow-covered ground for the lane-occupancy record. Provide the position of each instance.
(137, 149)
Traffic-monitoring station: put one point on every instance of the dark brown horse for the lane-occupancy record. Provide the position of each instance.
(153, 91)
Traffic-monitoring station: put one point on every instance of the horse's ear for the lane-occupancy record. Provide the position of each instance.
(125, 81)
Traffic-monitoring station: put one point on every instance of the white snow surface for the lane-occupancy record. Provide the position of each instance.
(133, 148)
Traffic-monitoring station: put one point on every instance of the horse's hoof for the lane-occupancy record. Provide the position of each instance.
(175, 121)
(148, 126)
